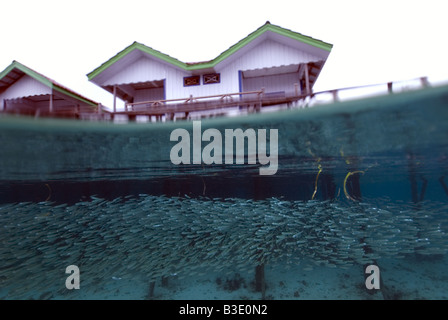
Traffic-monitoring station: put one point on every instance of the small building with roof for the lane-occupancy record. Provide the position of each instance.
(27, 92)
(272, 62)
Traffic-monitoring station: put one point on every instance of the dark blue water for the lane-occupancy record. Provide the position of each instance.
(358, 183)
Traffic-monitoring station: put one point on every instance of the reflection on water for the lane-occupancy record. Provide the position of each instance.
(358, 183)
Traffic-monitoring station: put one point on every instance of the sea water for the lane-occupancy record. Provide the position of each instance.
(359, 183)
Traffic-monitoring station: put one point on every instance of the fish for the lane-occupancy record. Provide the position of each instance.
(165, 234)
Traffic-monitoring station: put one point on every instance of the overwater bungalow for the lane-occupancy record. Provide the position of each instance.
(24, 91)
(271, 66)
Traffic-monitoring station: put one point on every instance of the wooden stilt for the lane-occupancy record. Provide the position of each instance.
(151, 290)
(260, 282)
(164, 281)
(51, 103)
(444, 186)
(413, 178)
(423, 191)
(355, 192)
(115, 98)
(307, 80)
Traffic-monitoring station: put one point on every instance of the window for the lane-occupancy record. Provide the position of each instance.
(211, 78)
(192, 81)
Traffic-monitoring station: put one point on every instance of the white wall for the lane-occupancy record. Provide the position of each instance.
(149, 94)
(175, 86)
(267, 54)
(142, 70)
(25, 87)
(271, 54)
(274, 83)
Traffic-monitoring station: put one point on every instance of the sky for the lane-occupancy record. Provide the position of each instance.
(373, 41)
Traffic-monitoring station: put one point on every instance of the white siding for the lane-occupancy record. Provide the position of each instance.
(270, 54)
(176, 89)
(25, 87)
(147, 69)
(175, 85)
(266, 54)
(144, 69)
(275, 83)
(149, 94)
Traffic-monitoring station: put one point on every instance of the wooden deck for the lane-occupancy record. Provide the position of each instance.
(251, 101)
(255, 101)
(209, 106)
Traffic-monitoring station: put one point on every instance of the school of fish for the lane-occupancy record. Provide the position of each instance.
(159, 236)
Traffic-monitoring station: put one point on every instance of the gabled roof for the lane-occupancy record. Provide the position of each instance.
(224, 55)
(16, 70)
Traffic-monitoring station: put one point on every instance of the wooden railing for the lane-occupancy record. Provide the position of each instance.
(253, 101)
(343, 94)
(228, 97)
(250, 100)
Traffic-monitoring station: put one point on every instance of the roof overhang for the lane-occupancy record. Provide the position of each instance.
(314, 69)
(127, 91)
(285, 36)
(16, 70)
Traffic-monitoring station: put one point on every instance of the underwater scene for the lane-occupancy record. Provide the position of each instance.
(357, 207)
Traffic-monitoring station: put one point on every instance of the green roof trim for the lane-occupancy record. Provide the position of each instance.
(33, 74)
(75, 96)
(212, 63)
(143, 48)
(46, 81)
(266, 27)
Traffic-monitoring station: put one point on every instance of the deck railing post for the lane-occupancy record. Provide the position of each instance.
(115, 98)
(51, 103)
(307, 80)
(335, 95)
(424, 81)
(261, 94)
(389, 87)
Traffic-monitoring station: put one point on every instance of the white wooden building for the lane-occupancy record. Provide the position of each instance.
(27, 92)
(282, 62)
